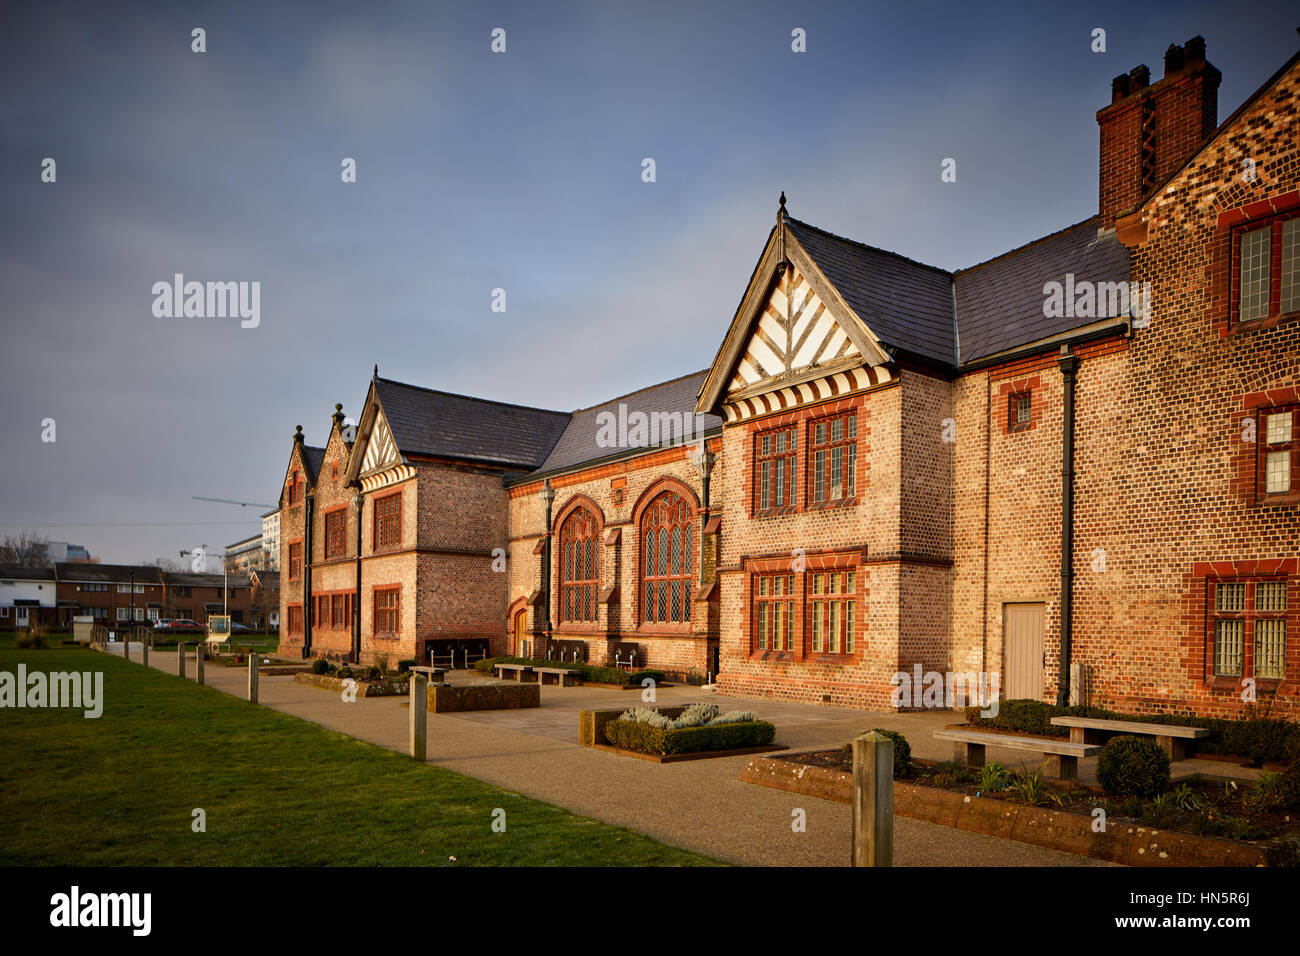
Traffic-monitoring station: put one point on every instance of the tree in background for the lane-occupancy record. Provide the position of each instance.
(26, 549)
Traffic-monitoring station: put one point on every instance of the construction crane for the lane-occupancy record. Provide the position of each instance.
(230, 501)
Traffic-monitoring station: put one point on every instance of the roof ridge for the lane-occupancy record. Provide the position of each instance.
(638, 391)
(855, 242)
(470, 398)
(1032, 242)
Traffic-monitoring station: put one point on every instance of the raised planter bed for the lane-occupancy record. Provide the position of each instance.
(364, 688)
(449, 698)
(592, 726)
(1123, 842)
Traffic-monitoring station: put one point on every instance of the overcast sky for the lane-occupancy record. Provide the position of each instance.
(475, 171)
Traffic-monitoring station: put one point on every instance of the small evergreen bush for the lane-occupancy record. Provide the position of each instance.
(1133, 766)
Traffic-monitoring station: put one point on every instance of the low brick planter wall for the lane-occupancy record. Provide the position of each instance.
(447, 698)
(1127, 843)
(364, 689)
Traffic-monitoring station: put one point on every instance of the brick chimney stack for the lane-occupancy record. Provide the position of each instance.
(1149, 130)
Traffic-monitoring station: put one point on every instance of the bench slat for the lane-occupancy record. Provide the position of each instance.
(1064, 747)
(1132, 727)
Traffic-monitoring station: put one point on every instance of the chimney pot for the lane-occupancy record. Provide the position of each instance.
(1119, 88)
(1194, 49)
(1174, 59)
(1139, 77)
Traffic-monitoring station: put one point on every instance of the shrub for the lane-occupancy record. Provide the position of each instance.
(30, 642)
(1133, 766)
(636, 735)
(734, 717)
(404, 666)
(320, 666)
(346, 671)
(697, 715)
(374, 673)
(902, 752)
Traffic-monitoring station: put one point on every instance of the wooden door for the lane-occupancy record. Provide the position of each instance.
(521, 625)
(1022, 651)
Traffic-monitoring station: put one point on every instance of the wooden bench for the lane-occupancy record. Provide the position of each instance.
(1173, 738)
(436, 675)
(564, 677)
(1062, 756)
(518, 672)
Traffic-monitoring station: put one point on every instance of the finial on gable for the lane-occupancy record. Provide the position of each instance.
(376, 375)
(297, 434)
(780, 213)
(338, 414)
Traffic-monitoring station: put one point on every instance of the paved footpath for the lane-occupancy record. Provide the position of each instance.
(698, 805)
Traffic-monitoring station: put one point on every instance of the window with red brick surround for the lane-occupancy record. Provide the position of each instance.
(1020, 411)
(336, 526)
(776, 470)
(832, 459)
(1277, 468)
(296, 487)
(579, 567)
(388, 521)
(1265, 271)
(387, 608)
(295, 560)
(667, 546)
(832, 602)
(774, 612)
(1248, 625)
(295, 618)
(1251, 261)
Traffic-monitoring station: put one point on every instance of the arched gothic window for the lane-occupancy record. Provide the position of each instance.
(579, 567)
(666, 548)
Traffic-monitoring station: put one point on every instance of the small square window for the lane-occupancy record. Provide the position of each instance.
(1020, 410)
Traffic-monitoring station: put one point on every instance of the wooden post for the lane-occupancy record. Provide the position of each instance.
(419, 717)
(873, 800)
(126, 647)
(180, 658)
(252, 677)
(144, 651)
(198, 662)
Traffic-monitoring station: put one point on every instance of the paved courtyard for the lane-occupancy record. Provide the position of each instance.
(699, 805)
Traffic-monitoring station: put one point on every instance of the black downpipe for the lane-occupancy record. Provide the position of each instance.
(1069, 364)
(307, 508)
(546, 565)
(356, 601)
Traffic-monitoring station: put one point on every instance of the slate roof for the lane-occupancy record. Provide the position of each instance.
(444, 425)
(1000, 302)
(204, 580)
(13, 572)
(110, 573)
(266, 577)
(906, 303)
(312, 459)
(579, 443)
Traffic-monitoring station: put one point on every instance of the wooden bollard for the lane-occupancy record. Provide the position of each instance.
(198, 662)
(419, 717)
(180, 658)
(144, 652)
(252, 677)
(873, 800)
(126, 649)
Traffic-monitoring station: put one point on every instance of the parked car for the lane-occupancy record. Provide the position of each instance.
(162, 623)
(184, 625)
(237, 628)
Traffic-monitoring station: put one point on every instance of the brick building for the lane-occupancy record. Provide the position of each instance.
(1075, 466)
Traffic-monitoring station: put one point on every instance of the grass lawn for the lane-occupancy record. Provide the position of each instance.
(119, 790)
